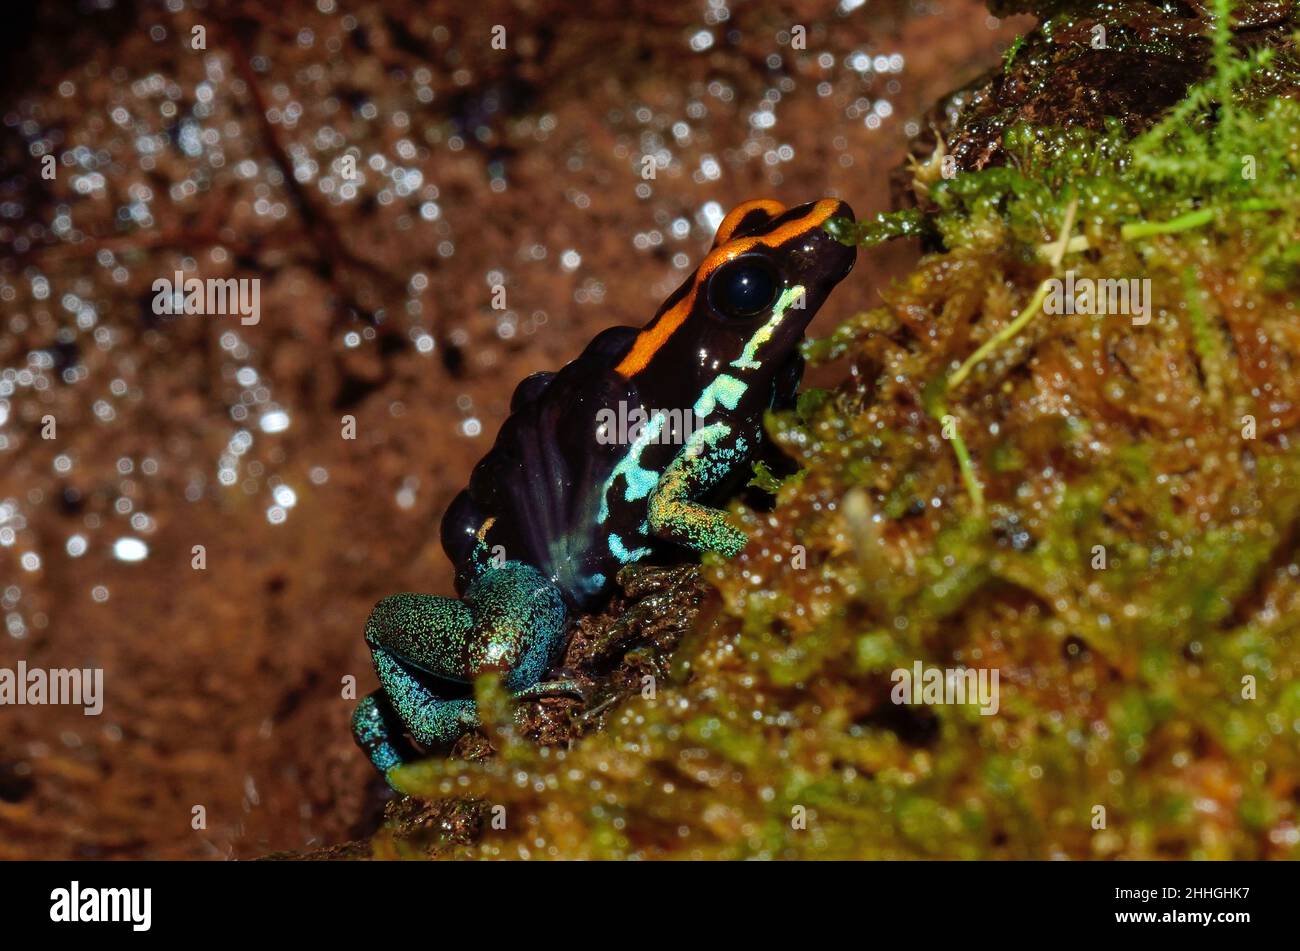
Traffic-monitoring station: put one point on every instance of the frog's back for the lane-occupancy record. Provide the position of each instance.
(561, 493)
(538, 492)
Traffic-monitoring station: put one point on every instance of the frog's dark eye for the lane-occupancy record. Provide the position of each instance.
(744, 287)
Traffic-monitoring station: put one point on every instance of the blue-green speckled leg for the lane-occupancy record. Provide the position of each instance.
(512, 619)
(378, 731)
(711, 453)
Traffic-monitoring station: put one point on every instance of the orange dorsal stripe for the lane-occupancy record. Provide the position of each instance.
(740, 212)
(652, 338)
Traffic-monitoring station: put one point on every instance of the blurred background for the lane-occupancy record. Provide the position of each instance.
(224, 152)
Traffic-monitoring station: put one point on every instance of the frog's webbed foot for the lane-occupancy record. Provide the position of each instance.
(570, 686)
(428, 649)
(672, 515)
(379, 732)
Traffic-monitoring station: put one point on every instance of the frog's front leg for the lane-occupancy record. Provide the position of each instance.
(512, 620)
(710, 455)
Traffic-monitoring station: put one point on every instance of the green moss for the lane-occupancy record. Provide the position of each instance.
(884, 227)
(1009, 57)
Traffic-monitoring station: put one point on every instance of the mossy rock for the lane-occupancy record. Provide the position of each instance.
(1092, 65)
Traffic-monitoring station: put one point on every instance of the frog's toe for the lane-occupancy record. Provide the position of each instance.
(430, 717)
(378, 731)
(563, 684)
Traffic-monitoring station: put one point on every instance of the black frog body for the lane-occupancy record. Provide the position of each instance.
(597, 466)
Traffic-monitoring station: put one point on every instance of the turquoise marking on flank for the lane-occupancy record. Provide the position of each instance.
(640, 481)
(724, 389)
(748, 357)
(705, 439)
(589, 584)
(619, 550)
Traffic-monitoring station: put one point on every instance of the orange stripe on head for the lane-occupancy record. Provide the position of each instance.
(649, 340)
(742, 211)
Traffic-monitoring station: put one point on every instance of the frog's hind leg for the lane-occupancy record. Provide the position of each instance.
(512, 619)
(378, 731)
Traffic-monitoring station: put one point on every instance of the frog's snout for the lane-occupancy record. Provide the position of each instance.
(846, 255)
(822, 260)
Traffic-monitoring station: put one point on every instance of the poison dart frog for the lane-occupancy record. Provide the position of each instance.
(569, 494)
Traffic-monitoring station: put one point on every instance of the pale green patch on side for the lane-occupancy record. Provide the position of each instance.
(725, 389)
(640, 481)
(621, 552)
